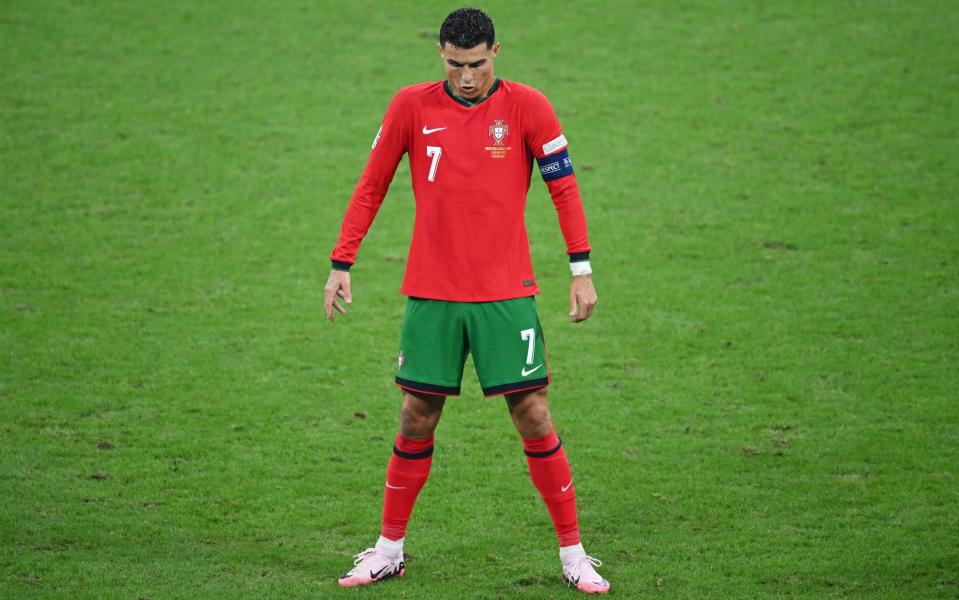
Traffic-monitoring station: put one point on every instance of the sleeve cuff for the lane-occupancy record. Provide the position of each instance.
(575, 257)
(339, 265)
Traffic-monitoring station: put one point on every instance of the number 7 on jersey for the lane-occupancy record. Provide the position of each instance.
(436, 152)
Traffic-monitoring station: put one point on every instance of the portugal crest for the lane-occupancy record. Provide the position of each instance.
(498, 131)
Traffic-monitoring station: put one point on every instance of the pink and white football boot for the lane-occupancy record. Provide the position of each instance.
(582, 575)
(371, 566)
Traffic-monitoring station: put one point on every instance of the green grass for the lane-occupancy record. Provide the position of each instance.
(764, 404)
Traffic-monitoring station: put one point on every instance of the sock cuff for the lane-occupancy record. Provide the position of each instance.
(388, 547)
(572, 551)
(405, 447)
(544, 446)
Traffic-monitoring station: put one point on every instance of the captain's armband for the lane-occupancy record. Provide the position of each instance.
(556, 165)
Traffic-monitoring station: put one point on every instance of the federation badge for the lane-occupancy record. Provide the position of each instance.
(498, 131)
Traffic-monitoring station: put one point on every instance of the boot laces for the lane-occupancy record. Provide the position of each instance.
(361, 558)
(362, 555)
(585, 566)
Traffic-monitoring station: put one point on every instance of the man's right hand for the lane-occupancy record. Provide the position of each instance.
(337, 285)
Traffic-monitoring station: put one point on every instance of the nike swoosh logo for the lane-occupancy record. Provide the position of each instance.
(394, 487)
(429, 131)
(531, 371)
(566, 487)
(377, 574)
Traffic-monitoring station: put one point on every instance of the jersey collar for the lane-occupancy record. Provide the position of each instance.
(464, 101)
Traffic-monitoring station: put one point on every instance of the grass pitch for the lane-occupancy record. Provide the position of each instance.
(764, 404)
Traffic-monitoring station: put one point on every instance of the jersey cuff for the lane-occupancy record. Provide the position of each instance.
(339, 265)
(578, 256)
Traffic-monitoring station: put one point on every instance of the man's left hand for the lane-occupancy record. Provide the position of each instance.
(582, 298)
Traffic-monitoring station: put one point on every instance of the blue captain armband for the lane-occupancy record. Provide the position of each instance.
(556, 165)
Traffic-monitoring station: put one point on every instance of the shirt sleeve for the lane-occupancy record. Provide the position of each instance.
(390, 144)
(548, 145)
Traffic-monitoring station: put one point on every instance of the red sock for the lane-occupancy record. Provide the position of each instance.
(549, 470)
(407, 472)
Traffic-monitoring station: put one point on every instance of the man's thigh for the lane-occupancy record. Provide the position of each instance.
(506, 339)
(433, 347)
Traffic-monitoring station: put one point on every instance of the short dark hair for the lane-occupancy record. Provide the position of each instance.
(467, 28)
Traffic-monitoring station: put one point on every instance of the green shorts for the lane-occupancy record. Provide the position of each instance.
(505, 337)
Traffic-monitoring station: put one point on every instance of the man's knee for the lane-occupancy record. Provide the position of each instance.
(420, 414)
(530, 412)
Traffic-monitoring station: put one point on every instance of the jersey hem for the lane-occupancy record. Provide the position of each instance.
(445, 298)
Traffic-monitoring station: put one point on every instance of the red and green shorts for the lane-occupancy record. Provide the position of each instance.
(505, 338)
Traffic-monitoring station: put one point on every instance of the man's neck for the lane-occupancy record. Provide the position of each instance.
(489, 92)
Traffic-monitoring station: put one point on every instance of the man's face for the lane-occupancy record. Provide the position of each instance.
(469, 70)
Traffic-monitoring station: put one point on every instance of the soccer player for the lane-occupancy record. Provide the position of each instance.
(471, 140)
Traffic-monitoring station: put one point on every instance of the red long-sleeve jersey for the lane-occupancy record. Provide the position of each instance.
(470, 168)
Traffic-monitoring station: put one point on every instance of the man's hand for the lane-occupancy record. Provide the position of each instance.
(582, 298)
(338, 285)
